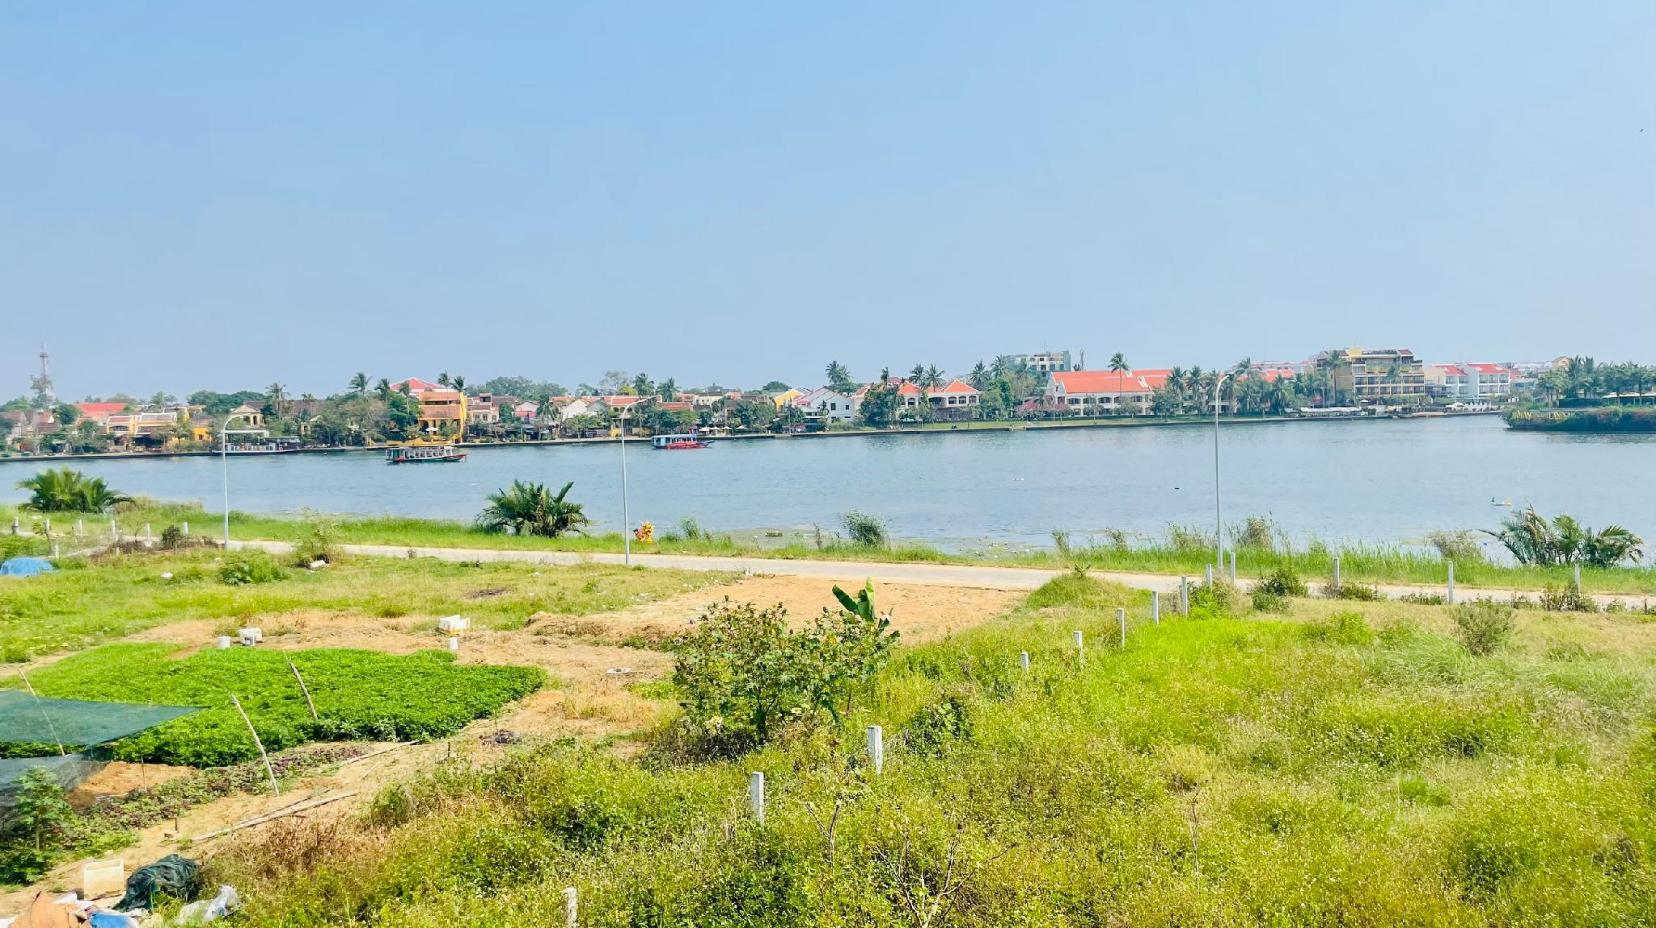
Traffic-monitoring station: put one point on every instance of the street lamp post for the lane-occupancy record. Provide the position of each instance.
(1218, 510)
(626, 517)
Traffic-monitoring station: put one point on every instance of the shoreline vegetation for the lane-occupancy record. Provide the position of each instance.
(1260, 549)
(1626, 419)
(927, 428)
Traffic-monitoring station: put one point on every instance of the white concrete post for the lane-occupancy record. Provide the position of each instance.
(570, 917)
(756, 795)
(1080, 647)
(80, 528)
(186, 529)
(1451, 583)
(49, 533)
(148, 536)
(1155, 607)
(454, 645)
(1336, 571)
(1184, 595)
(114, 530)
(16, 529)
(1210, 575)
(876, 748)
(1023, 660)
(1577, 577)
(57, 551)
(1233, 565)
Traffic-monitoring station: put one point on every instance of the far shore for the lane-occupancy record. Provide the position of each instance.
(940, 428)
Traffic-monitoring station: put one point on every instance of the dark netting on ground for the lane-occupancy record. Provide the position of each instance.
(30, 720)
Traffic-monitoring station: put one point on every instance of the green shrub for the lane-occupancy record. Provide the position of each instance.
(1565, 599)
(316, 543)
(1266, 601)
(37, 825)
(1282, 582)
(937, 724)
(1484, 627)
(743, 675)
(1357, 592)
(172, 538)
(864, 530)
(1341, 628)
(1212, 600)
(251, 567)
(1074, 589)
(1459, 547)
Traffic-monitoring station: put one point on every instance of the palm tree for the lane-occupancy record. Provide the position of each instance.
(531, 509)
(934, 377)
(277, 392)
(444, 379)
(65, 490)
(838, 376)
(1533, 540)
(359, 383)
(980, 376)
(917, 374)
(383, 388)
(1118, 362)
(458, 382)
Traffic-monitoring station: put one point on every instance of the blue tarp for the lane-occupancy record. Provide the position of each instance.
(25, 567)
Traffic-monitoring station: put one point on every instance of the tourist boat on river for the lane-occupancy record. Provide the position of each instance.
(679, 442)
(424, 454)
(256, 441)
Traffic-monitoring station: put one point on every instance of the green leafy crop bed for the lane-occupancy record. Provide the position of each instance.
(358, 694)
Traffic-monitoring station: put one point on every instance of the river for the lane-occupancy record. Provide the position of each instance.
(1375, 481)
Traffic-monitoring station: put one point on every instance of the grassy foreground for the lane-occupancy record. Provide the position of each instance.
(83, 604)
(1367, 564)
(1322, 768)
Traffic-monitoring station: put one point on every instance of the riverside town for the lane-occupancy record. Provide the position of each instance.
(1047, 388)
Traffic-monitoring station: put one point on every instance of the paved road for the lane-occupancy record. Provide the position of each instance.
(958, 575)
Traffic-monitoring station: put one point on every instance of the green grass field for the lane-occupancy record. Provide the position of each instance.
(1307, 769)
(81, 604)
(357, 694)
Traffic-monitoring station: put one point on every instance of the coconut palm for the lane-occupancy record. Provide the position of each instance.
(1534, 540)
(65, 490)
(1118, 363)
(359, 383)
(532, 509)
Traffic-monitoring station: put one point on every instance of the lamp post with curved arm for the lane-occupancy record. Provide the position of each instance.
(626, 517)
(1218, 510)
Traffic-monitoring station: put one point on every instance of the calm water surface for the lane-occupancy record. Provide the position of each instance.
(1391, 480)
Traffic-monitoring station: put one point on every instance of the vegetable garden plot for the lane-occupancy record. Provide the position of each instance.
(358, 695)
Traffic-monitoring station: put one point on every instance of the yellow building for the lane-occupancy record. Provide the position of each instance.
(785, 397)
(442, 413)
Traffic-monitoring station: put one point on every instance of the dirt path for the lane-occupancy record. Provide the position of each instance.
(952, 575)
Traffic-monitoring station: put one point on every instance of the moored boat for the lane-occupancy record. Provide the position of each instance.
(424, 454)
(679, 442)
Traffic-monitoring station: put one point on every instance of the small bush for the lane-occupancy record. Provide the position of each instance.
(250, 568)
(1566, 599)
(1188, 538)
(1422, 599)
(1283, 582)
(1357, 592)
(864, 530)
(316, 544)
(1061, 543)
(1484, 627)
(1255, 532)
(1341, 628)
(1457, 547)
(1212, 600)
(172, 537)
(934, 726)
(1266, 601)
(691, 530)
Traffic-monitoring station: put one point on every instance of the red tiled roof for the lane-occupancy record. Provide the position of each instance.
(1488, 368)
(620, 399)
(1099, 382)
(908, 389)
(1450, 369)
(99, 410)
(954, 386)
(415, 385)
(677, 406)
(1154, 377)
(1273, 374)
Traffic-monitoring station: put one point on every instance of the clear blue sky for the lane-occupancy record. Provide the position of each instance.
(211, 194)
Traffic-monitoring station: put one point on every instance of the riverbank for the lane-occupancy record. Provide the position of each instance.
(1635, 419)
(1359, 564)
(930, 428)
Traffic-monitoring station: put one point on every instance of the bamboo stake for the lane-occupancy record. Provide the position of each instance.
(269, 771)
(44, 714)
(303, 689)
